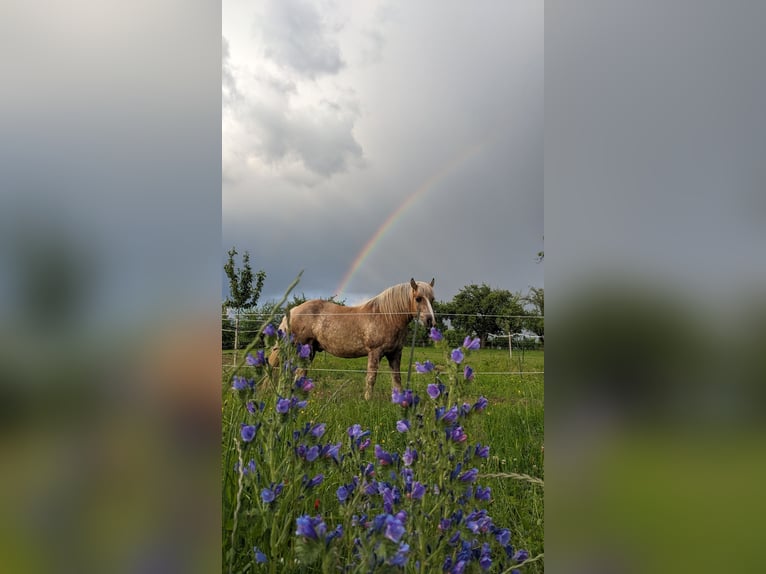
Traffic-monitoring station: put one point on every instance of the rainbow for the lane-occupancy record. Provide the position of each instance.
(409, 201)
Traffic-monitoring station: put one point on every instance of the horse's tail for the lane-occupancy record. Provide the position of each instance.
(274, 355)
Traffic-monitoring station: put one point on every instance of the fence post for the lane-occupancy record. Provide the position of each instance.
(236, 338)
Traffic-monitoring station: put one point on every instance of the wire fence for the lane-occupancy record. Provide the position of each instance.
(481, 315)
(517, 341)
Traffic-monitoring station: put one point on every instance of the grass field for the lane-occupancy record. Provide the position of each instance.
(513, 426)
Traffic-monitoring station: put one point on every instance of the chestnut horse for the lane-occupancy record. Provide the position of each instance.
(376, 328)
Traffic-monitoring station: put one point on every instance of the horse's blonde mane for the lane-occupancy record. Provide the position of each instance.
(395, 301)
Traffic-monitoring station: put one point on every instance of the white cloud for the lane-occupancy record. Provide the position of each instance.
(284, 109)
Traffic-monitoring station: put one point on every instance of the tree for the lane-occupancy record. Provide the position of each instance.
(242, 293)
(536, 299)
(482, 310)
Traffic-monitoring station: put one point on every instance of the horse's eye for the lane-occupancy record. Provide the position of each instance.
(418, 299)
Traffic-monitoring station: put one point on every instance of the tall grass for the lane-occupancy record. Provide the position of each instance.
(512, 425)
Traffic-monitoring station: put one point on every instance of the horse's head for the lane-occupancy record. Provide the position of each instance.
(420, 302)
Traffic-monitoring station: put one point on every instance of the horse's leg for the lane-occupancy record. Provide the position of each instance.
(395, 361)
(373, 360)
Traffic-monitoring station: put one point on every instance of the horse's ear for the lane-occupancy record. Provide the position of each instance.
(432, 281)
(414, 285)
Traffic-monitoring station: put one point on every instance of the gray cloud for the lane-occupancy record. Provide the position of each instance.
(298, 37)
(316, 140)
(229, 84)
(457, 115)
(276, 113)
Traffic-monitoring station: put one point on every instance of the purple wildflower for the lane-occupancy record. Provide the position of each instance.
(239, 383)
(364, 444)
(316, 481)
(355, 431)
(250, 468)
(389, 498)
(450, 416)
(247, 432)
(269, 330)
(310, 528)
(260, 557)
(400, 558)
(521, 555)
(283, 405)
(435, 335)
(481, 451)
(426, 367)
(478, 523)
(456, 471)
(332, 451)
(485, 561)
(257, 361)
(318, 430)
(383, 457)
(471, 345)
(371, 489)
(403, 425)
(403, 398)
(503, 536)
(457, 356)
(342, 493)
(312, 453)
(304, 351)
(481, 404)
(394, 528)
(433, 391)
(469, 475)
(483, 493)
(458, 435)
(268, 495)
(295, 403)
(410, 456)
(418, 490)
(304, 384)
(468, 373)
(338, 532)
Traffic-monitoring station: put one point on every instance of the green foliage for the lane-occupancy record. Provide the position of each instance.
(536, 299)
(479, 309)
(242, 293)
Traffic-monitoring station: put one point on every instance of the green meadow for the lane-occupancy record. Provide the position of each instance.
(513, 426)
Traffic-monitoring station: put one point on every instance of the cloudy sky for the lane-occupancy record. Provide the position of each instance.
(369, 142)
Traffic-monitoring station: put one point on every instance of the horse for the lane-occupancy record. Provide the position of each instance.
(377, 328)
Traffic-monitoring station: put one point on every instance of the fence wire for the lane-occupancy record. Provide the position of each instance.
(447, 315)
(251, 314)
